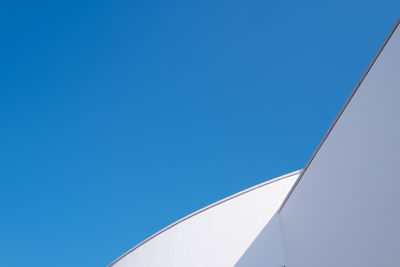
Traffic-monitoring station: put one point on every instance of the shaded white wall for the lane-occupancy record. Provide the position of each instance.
(217, 236)
(345, 209)
(267, 249)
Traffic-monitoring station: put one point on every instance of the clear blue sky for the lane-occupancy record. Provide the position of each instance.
(119, 117)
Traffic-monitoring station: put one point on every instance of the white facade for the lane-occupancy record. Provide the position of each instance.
(342, 210)
(349, 194)
(267, 249)
(216, 236)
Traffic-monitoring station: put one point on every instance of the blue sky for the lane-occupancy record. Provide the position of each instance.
(119, 117)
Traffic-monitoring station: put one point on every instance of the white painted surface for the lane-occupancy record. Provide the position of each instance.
(267, 249)
(345, 209)
(217, 236)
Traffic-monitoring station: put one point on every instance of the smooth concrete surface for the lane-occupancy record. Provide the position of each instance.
(216, 236)
(345, 209)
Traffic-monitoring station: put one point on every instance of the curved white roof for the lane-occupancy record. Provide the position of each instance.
(217, 235)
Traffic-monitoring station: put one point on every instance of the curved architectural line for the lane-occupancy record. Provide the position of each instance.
(203, 210)
(340, 210)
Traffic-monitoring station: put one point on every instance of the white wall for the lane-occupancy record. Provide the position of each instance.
(267, 249)
(217, 236)
(345, 209)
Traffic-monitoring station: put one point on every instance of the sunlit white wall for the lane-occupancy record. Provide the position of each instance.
(217, 236)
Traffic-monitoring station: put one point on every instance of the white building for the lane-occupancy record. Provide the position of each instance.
(342, 209)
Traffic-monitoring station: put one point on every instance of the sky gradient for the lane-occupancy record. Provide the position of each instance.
(119, 117)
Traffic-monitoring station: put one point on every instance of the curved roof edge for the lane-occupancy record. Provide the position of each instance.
(340, 113)
(204, 209)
